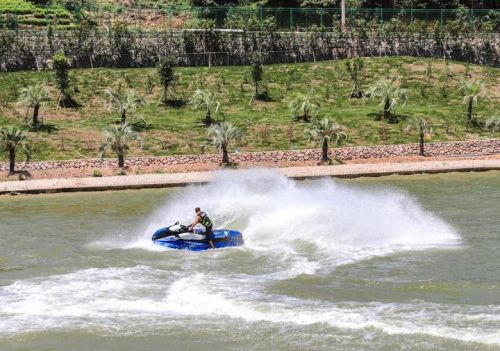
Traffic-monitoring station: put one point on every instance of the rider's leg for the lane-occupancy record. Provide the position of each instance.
(209, 234)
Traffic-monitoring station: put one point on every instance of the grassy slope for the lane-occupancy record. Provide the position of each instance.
(267, 125)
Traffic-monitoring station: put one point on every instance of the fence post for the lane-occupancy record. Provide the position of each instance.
(321, 17)
(471, 18)
(260, 15)
(139, 19)
(381, 16)
(291, 18)
(442, 17)
(411, 16)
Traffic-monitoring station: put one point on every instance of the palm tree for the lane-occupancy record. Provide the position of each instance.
(13, 139)
(117, 139)
(222, 135)
(390, 93)
(423, 128)
(303, 106)
(34, 96)
(324, 131)
(207, 100)
(129, 102)
(472, 91)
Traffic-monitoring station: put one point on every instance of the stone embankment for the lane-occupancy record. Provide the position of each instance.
(37, 186)
(462, 148)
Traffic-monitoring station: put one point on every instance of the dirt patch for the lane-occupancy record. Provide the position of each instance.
(421, 67)
(316, 82)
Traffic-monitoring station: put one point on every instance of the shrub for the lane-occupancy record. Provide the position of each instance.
(200, 23)
(61, 67)
(257, 71)
(166, 71)
(42, 22)
(493, 124)
(12, 22)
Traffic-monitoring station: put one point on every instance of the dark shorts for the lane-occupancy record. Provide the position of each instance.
(209, 233)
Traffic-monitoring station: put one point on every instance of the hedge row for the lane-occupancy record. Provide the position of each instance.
(120, 47)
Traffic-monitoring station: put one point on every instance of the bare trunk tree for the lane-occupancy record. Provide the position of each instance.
(387, 112)
(36, 109)
(208, 118)
(164, 95)
(306, 117)
(422, 151)
(12, 160)
(225, 157)
(325, 157)
(124, 116)
(121, 160)
(469, 114)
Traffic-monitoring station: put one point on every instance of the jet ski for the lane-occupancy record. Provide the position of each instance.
(177, 236)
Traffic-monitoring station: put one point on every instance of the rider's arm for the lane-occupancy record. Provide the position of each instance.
(195, 222)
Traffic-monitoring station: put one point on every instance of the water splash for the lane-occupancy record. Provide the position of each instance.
(323, 219)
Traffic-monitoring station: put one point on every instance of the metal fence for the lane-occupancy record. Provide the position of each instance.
(283, 18)
(160, 15)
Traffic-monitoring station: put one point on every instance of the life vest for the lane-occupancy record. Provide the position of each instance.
(205, 221)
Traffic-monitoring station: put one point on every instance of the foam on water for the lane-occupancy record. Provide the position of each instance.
(141, 300)
(341, 223)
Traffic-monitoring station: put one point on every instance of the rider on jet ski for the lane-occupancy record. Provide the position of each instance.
(202, 218)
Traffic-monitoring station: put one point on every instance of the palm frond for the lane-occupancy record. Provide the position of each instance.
(34, 95)
(492, 124)
(304, 105)
(223, 134)
(325, 129)
(418, 124)
(129, 102)
(389, 93)
(472, 90)
(12, 138)
(117, 139)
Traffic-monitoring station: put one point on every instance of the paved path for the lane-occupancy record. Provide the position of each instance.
(181, 179)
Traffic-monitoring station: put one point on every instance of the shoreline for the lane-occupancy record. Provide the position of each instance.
(351, 170)
(88, 167)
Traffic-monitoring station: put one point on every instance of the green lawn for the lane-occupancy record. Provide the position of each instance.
(266, 125)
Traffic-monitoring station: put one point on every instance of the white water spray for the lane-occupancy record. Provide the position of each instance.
(322, 219)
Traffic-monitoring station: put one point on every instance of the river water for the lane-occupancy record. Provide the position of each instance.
(393, 263)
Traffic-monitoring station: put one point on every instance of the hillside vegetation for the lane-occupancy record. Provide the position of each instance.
(248, 15)
(432, 88)
(21, 13)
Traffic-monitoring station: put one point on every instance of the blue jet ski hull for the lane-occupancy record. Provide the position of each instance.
(222, 238)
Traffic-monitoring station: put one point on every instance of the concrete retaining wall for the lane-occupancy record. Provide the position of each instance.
(462, 148)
